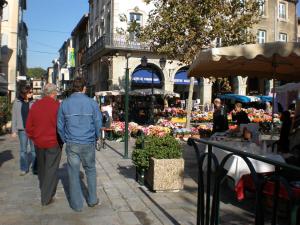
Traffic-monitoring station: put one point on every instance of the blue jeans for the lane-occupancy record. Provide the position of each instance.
(85, 154)
(24, 158)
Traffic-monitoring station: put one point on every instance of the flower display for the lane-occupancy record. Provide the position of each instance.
(118, 127)
(258, 115)
(166, 123)
(198, 117)
(134, 128)
(156, 131)
(174, 112)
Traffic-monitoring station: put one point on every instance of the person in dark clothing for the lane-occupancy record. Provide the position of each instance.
(220, 121)
(239, 116)
(105, 119)
(20, 113)
(284, 143)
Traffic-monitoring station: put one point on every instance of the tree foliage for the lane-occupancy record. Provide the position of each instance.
(179, 29)
(36, 72)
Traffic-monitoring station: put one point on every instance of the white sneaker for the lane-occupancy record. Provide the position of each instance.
(22, 173)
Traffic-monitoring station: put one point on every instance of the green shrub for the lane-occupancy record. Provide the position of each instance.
(158, 147)
(5, 111)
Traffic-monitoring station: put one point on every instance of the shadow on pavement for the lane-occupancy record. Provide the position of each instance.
(115, 150)
(171, 218)
(5, 156)
(127, 171)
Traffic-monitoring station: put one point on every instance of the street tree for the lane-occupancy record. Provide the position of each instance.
(180, 29)
(36, 72)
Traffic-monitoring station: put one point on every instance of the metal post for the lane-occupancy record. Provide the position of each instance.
(126, 107)
(152, 100)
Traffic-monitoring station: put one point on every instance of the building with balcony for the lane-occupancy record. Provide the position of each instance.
(80, 44)
(37, 87)
(13, 44)
(63, 68)
(108, 47)
(278, 22)
(106, 59)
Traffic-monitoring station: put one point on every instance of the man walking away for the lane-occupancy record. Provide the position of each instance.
(79, 123)
(41, 128)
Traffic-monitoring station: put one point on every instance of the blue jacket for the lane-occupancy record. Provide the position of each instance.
(79, 120)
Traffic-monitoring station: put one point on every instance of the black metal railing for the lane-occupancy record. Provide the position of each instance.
(208, 206)
(115, 41)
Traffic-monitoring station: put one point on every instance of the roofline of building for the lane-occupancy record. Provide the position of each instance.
(81, 21)
(63, 46)
(23, 4)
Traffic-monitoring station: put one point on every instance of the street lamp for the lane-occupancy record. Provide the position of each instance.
(127, 56)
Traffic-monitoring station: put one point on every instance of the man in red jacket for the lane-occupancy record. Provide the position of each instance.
(41, 129)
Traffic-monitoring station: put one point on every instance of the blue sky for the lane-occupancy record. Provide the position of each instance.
(60, 16)
(44, 16)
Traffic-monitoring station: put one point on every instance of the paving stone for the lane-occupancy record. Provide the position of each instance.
(129, 218)
(124, 201)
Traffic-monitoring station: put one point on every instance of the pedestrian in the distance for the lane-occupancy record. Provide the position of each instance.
(41, 128)
(79, 123)
(239, 115)
(220, 120)
(20, 112)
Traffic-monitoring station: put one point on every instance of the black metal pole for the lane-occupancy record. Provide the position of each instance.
(126, 108)
(152, 99)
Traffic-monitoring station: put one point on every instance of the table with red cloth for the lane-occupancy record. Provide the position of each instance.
(246, 182)
(237, 167)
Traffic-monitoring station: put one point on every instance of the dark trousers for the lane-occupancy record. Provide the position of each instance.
(48, 160)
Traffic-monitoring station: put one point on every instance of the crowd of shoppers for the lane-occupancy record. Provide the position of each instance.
(45, 125)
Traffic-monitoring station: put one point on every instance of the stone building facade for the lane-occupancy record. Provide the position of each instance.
(80, 44)
(13, 44)
(298, 33)
(278, 22)
(106, 59)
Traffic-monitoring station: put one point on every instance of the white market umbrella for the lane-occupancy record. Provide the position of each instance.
(156, 91)
(109, 93)
(275, 60)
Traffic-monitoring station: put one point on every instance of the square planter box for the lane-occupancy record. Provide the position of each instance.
(165, 174)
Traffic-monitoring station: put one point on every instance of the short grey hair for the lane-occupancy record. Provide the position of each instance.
(49, 89)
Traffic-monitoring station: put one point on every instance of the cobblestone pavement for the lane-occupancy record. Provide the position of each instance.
(124, 201)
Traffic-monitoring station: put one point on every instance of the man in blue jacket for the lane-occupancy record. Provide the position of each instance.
(79, 123)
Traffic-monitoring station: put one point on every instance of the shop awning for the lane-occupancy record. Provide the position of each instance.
(143, 76)
(235, 97)
(181, 78)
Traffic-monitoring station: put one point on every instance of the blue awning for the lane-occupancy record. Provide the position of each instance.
(181, 78)
(265, 98)
(144, 76)
(235, 97)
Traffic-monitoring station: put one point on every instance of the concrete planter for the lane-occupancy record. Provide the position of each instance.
(165, 174)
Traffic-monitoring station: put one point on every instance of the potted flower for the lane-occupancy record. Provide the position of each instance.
(160, 160)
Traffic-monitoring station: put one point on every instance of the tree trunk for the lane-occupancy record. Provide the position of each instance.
(190, 103)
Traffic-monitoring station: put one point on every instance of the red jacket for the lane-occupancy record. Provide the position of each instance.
(41, 123)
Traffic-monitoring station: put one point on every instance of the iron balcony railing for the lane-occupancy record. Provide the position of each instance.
(115, 41)
(208, 206)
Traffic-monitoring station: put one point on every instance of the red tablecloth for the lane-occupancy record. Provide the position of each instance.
(246, 182)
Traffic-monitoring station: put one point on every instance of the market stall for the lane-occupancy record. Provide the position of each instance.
(287, 94)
